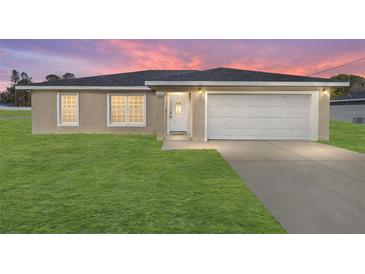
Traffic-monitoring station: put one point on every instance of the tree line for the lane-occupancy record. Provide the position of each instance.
(23, 97)
(357, 85)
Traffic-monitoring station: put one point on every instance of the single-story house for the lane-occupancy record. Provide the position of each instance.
(349, 108)
(220, 103)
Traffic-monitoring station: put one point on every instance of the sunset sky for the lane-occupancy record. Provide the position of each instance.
(94, 57)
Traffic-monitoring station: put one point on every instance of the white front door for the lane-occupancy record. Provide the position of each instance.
(178, 112)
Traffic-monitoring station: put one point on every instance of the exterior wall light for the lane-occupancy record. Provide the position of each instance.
(160, 93)
(200, 91)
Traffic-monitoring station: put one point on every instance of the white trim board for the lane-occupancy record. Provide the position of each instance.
(82, 87)
(264, 92)
(191, 83)
(247, 83)
(206, 116)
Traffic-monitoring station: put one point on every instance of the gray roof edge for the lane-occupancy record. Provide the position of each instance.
(82, 88)
(347, 100)
(247, 83)
(149, 84)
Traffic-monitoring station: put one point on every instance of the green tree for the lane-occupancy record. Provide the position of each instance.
(357, 83)
(24, 79)
(52, 77)
(14, 77)
(68, 75)
(17, 97)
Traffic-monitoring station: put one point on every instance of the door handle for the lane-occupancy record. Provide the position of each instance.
(170, 114)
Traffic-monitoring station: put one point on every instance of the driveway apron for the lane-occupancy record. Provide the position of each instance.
(309, 187)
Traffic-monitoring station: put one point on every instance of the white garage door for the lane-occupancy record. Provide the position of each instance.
(259, 116)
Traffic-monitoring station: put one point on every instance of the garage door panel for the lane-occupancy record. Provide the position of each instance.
(258, 116)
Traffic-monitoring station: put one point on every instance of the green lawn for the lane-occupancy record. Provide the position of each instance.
(347, 135)
(107, 183)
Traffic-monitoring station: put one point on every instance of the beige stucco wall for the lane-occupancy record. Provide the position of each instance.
(93, 114)
(93, 111)
(198, 105)
(324, 115)
(198, 111)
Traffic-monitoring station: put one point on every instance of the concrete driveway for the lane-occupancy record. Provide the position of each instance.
(308, 187)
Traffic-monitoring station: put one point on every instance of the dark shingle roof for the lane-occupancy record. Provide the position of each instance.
(229, 74)
(138, 78)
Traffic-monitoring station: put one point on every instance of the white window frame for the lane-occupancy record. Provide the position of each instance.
(126, 124)
(59, 120)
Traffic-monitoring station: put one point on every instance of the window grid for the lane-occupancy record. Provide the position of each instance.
(135, 109)
(127, 109)
(68, 109)
(118, 109)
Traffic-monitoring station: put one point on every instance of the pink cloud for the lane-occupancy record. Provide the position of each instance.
(304, 65)
(146, 56)
(95, 57)
(163, 55)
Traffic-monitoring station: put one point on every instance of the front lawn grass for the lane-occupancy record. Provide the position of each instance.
(109, 183)
(347, 135)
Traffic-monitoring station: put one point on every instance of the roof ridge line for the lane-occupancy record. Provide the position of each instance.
(184, 72)
(268, 72)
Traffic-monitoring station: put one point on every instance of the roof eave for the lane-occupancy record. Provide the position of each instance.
(82, 88)
(247, 83)
(148, 84)
(347, 100)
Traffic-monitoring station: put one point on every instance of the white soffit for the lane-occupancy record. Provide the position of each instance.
(246, 83)
(83, 87)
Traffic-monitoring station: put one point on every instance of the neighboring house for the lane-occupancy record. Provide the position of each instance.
(219, 103)
(350, 108)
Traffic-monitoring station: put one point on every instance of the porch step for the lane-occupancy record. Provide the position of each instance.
(178, 138)
(178, 132)
(176, 145)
